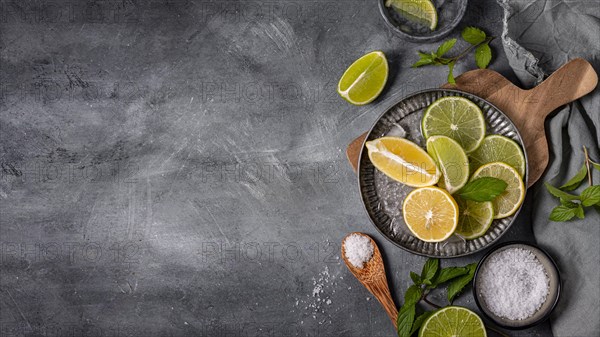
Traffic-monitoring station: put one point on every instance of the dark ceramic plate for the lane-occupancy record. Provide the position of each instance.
(450, 12)
(383, 197)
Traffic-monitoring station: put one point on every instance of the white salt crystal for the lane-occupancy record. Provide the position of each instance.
(317, 290)
(513, 284)
(359, 249)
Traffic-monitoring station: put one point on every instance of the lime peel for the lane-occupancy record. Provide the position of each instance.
(364, 79)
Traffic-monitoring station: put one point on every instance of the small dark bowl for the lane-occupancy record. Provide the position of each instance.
(450, 12)
(553, 292)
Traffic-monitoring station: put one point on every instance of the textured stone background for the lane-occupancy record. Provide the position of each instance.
(175, 168)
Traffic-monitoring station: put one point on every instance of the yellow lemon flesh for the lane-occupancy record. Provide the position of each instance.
(403, 161)
(430, 213)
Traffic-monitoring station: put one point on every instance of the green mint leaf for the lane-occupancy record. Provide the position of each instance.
(595, 165)
(425, 59)
(415, 278)
(459, 283)
(560, 194)
(419, 321)
(412, 295)
(473, 35)
(574, 182)
(448, 273)
(568, 203)
(590, 196)
(404, 322)
(423, 55)
(422, 62)
(562, 213)
(429, 269)
(579, 212)
(451, 73)
(483, 55)
(482, 189)
(445, 47)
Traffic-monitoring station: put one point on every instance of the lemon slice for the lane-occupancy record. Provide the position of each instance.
(364, 80)
(510, 200)
(430, 213)
(403, 161)
(455, 117)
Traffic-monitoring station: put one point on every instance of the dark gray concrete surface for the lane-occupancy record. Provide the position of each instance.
(175, 168)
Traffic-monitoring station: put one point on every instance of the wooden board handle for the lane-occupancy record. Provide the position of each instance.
(570, 82)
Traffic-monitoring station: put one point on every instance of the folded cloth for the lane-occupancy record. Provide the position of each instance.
(538, 37)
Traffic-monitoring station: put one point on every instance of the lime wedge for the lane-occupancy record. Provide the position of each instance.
(364, 80)
(420, 11)
(474, 218)
(452, 161)
(498, 148)
(509, 201)
(451, 322)
(457, 118)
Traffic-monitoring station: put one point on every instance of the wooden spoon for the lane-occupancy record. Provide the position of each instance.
(372, 276)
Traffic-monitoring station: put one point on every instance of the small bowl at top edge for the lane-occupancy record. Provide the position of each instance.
(450, 13)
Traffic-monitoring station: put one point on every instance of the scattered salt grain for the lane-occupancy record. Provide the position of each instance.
(359, 249)
(513, 284)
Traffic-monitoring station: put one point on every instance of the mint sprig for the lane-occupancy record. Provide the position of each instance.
(574, 182)
(408, 321)
(573, 205)
(482, 189)
(477, 39)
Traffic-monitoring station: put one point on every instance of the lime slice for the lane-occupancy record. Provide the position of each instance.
(508, 202)
(499, 148)
(420, 11)
(364, 80)
(451, 322)
(474, 218)
(452, 161)
(457, 118)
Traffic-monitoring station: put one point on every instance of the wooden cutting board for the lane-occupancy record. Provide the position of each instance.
(526, 108)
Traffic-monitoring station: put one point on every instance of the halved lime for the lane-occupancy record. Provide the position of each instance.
(508, 202)
(498, 148)
(421, 11)
(364, 80)
(457, 118)
(474, 218)
(452, 161)
(453, 321)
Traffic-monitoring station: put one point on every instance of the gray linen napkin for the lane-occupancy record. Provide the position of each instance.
(539, 36)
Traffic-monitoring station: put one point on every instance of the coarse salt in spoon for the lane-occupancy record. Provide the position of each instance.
(366, 264)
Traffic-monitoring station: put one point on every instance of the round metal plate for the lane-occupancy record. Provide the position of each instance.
(383, 197)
